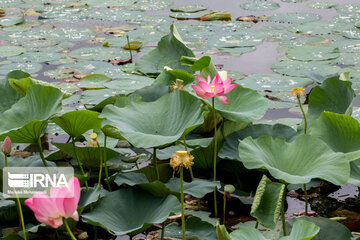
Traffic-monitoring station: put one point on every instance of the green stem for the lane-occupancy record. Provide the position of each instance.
(306, 200)
(215, 155)
(182, 202)
(303, 113)
(18, 203)
(42, 156)
(163, 231)
(79, 163)
(105, 163)
(256, 224)
(224, 208)
(283, 214)
(155, 165)
(101, 164)
(131, 57)
(68, 229)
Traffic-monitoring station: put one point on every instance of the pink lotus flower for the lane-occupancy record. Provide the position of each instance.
(6, 146)
(50, 210)
(215, 88)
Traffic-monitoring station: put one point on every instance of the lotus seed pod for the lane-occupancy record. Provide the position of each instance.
(229, 188)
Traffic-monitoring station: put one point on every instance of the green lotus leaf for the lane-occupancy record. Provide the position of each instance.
(129, 84)
(297, 162)
(259, 5)
(76, 123)
(315, 28)
(167, 119)
(8, 211)
(295, 17)
(11, 20)
(25, 121)
(134, 209)
(8, 96)
(197, 188)
(246, 233)
(267, 202)
(245, 105)
(230, 147)
(89, 156)
(92, 196)
(168, 53)
(195, 227)
(93, 81)
(312, 53)
(9, 51)
(189, 8)
(329, 229)
(333, 95)
(342, 133)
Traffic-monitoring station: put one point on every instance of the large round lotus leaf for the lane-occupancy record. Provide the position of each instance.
(100, 53)
(303, 40)
(94, 97)
(273, 82)
(322, 5)
(189, 8)
(312, 53)
(135, 208)
(348, 59)
(186, 16)
(167, 119)
(9, 51)
(236, 39)
(245, 105)
(36, 57)
(115, 14)
(8, 96)
(151, 5)
(348, 8)
(27, 67)
(129, 84)
(347, 45)
(25, 26)
(197, 188)
(76, 123)
(111, 3)
(10, 20)
(329, 229)
(25, 120)
(315, 28)
(305, 158)
(351, 32)
(295, 17)
(260, 5)
(93, 81)
(302, 69)
(10, 3)
(230, 147)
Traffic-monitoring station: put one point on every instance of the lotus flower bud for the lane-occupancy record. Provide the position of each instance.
(229, 188)
(6, 146)
(93, 140)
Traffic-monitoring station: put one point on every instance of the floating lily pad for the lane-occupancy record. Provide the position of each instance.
(27, 67)
(9, 51)
(93, 81)
(189, 8)
(351, 32)
(116, 14)
(348, 8)
(111, 3)
(10, 20)
(302, 69)
(151, 5)
(295, 17)
(100, 53)
(186, 16)
(236, 39)
(312, 53)
(322, 5)
(260, 5)
(36, 57)
(273, 82)
(348, 59)
(315, 28)
(129, 84)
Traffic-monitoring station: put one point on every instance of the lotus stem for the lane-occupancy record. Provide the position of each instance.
(131, 57)
(68, 229)
(105, 163)
(17, 203)
(155, 165)
(215, 155)
(256, 224)
(79, 163)
(224, 208)
(283, 214)
(101, 164)
(303, 113)
(42, 156)
(306, 200)
(182, 202)
(163, 231)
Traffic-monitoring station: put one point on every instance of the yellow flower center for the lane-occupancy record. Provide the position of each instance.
(181, 158)
(212, 88)
(298, 91)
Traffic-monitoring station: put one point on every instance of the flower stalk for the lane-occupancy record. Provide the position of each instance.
(155, 165)
(68, 229)
(215, 156)
(182, 202)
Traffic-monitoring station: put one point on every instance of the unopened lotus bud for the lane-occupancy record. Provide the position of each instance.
(216, 15)
(6, 146)
(93, 140)
(229, 188)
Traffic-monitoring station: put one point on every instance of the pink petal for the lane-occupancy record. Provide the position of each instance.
(228, 86)
(205, 86)
(75, 216)
(199, 91)
(45, 206)
(55, 223)
(219, 89)
(67, 198)
(216, 80)
(209, 95)
(223, 99)
(209, 79)
(200, 78)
